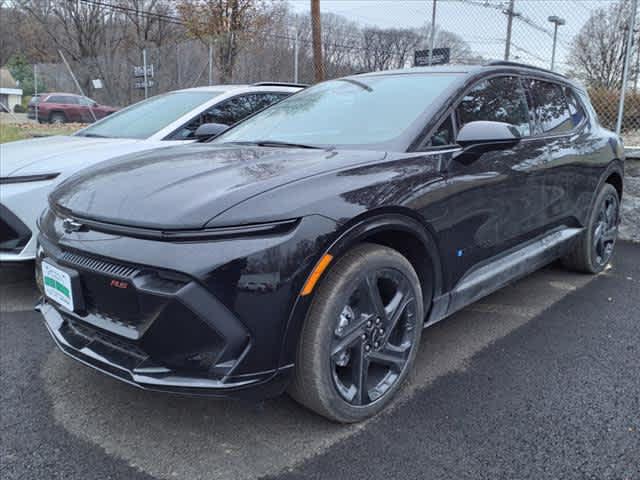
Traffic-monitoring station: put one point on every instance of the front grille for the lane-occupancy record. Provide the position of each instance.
(97, 265)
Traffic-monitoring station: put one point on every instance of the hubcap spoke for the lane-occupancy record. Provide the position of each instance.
(360, 371)
(395, 358)
(375, 299)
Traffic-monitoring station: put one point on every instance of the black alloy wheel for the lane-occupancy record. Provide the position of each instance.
(361, 335)
(606, 229)
(374, 336)
(594, 248)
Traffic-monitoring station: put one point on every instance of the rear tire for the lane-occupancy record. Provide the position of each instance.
(594, 249)
(57, 118)
(358, 346)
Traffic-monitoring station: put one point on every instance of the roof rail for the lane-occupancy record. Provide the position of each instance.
(279, 84)
(507, 63)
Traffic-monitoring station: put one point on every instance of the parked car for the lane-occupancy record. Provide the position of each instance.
(366, 207)
(67, 107)
(30, 169)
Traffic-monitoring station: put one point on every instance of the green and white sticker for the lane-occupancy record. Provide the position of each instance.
(57, 285)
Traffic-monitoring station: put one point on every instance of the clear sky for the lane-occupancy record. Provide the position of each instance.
(480, 22)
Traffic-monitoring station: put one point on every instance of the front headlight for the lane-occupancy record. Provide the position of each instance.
(28, 178)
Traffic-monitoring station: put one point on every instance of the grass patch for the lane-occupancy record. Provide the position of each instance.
(10, 132)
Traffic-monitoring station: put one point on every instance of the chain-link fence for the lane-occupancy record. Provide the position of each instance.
(583, 39)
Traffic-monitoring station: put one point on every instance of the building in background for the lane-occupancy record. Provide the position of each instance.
(10, 94)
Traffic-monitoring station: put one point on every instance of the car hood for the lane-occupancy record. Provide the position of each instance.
(185, 187)
(63, 154)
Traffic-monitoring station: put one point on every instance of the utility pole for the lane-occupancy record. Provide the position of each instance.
(296, 54)
(35, 87)
(210, 60)
(635, 81)
(317, 40)
(75, 80)
(433, 32)
(144, 66)
(625, 68)
(510, 13)
(557, 21)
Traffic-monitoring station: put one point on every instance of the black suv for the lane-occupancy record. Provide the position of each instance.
(307, 247)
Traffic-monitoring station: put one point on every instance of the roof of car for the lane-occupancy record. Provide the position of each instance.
(474, 69)
(229, 87)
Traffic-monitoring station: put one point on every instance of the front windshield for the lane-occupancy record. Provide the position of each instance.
(364, 110)
(147, 117)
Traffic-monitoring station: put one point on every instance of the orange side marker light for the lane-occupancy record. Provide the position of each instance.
(317, 272)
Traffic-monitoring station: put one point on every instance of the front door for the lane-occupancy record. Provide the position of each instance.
(495, 201)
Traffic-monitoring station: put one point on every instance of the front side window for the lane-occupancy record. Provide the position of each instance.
(364, 111)
(148, 117)
(229, 112)
(499, 99)
(443, 135)
(550, 108)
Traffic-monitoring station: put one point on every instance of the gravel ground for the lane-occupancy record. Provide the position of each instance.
(630, 226)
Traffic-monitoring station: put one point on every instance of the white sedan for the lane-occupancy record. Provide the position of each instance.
(30, 169)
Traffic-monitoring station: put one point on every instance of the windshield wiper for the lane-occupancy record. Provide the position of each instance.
(278, 143)
(92, 135)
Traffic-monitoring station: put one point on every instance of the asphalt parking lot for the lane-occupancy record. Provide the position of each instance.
(540, 380)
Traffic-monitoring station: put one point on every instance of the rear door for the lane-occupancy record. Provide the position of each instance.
(495, 201)
(560, 123)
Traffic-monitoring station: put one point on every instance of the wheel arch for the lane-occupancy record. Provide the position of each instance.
(613, 174)
(57, 112)
(395, 227)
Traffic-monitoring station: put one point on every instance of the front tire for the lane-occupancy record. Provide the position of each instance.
(594, 249)
(361, 335)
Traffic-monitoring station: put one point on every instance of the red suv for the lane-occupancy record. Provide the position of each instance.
(67, 107)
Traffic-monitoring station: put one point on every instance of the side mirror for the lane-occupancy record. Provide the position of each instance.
(209, 130)
(483, 136)
(486, 132)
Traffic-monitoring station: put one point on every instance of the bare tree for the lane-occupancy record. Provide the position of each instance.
(226, 23)
(598, 50)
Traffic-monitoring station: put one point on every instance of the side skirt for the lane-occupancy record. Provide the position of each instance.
(499, 273)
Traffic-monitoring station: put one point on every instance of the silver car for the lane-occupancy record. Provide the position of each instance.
(30, 169)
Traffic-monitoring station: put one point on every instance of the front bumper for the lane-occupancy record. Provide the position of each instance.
(133, 366)
(198, 317)
(20, 206)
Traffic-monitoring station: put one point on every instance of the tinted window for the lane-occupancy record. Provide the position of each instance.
(550, 107)
(229, 112)
(363, 111)
(63, 99)
(499, 99)
(87, 102)
(443, 135)
(145, 118)
(575, 109)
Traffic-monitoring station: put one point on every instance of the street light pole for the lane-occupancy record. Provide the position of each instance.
(510, 13)
(557, 21)
(433, 32)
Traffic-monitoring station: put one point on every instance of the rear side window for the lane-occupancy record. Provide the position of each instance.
(575, 109)
(550, 108)
(499, 99)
